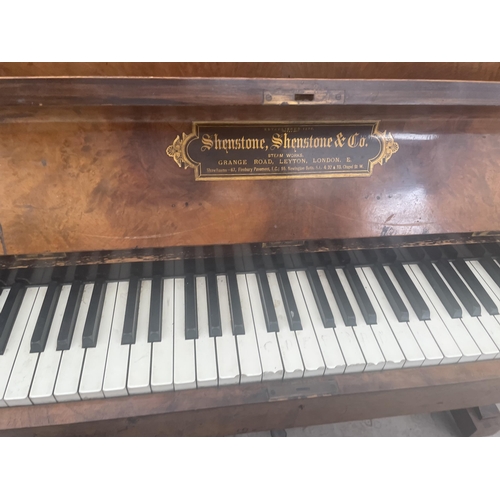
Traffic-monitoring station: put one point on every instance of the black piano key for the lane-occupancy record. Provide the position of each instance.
(468, 251)
(492, 249)
(359, 291)
(190, 314)
(449, 252)
(491, 268)
(235, 304)
(320, 298)
(267, 301)
(476, 286)
(69, 318)
(343, 257)
(9, 313)
(458, 286)
(411, 254)
(391, 293)
(289, 304)
(433, 253)
(93, 320)
(442, 291)
(214, 322)
(386, 255)
(410, 290)
(340, 296)
(365, 257)
(155, 309)
(44, 320)
(131, 311)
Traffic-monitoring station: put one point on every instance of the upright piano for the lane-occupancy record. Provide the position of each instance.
(217, 249)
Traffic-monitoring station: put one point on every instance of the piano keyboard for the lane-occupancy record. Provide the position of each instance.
(83, 340)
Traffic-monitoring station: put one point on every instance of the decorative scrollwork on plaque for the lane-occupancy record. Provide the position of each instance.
(255, 151)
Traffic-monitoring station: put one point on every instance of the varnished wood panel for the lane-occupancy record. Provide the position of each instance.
(108, 185)
(374, 70)
(254, 407)
(238, 91)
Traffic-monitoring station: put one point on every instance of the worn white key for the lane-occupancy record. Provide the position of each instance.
(184, 355)
(162, 362)
(394, 357)
(44, 381)
(140, 353)
(270, 358)
(420, 330)
(332, 354)
(227, 355)
(466, 348)
(287, 340)
(115, 375)
(387, 321)
(312, 358)
(354, 359)
(70, 368)
(206, 361)
(3, 297)
(94, 365)
(18, 388)
(16, 335)
(488, 321)
(476, 331)
(248, 350)
(369, 346)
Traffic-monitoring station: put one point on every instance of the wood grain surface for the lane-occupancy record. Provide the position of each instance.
(96, 184)
(262, 406)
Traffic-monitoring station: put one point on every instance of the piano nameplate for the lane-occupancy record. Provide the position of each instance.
(256, 151)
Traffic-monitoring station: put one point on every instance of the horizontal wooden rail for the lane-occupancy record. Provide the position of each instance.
(154, 91)
(259, 406)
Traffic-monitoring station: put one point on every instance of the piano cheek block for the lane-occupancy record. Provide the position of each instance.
(288, 246)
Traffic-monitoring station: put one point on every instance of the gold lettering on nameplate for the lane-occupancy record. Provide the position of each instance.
(243, 151)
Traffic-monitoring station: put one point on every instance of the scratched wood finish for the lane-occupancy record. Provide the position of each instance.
(82, 91)
(71, 186)
(374, 70)
(254, 407)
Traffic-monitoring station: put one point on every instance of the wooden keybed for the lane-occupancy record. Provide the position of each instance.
(85, 179)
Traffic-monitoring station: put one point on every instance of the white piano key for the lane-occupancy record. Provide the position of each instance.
(138, 381)
(18, 388)
(386, 319)
(184, 356)
(330, 349)
(42, 388)
(488, 321)
(463, 348)
(248, 351)
(94, 364)
(162, 362)
(354, 359)
(206, 362)
(312, 358)
(3, 297)
(369, 346)
(287, 340)
(227, 355)
(420, 330)
(387, 342)
(270, 358)
(115, 374)
(9, 356)
(488, 349)
(70, 368)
